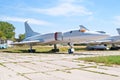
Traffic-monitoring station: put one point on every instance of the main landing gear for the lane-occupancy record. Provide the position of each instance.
(70, 50)
(31, 50)
(55, 48)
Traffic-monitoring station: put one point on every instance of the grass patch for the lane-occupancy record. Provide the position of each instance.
(2, 64)
(39, 49)
(107, 60)
(24, 49)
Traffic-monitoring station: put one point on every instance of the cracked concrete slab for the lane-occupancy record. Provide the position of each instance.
(42, 66)
(7, 74)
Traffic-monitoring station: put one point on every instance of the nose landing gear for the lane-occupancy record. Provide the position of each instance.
(71, 49)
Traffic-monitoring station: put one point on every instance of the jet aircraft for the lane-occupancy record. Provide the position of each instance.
(70, 37)
(114, 41)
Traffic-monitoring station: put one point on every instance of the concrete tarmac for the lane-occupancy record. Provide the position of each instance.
(49, 66)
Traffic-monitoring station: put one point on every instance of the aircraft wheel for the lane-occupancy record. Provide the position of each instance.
(31, 50)
(55, 50)
(71, 50)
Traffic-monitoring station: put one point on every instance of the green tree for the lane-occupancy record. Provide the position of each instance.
(7, 30)
(1, 34)
(21, 37)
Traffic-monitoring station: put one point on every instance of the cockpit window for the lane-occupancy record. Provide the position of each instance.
(82, 30)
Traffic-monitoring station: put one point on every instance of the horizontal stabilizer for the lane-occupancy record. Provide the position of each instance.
(101, 32)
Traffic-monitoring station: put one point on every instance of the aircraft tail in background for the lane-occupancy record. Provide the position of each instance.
(118, 29)
(28, 31)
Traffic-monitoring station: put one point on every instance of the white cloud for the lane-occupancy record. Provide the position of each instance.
(30, 20)
(66, 8)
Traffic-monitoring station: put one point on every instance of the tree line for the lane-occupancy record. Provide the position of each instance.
(7, 32)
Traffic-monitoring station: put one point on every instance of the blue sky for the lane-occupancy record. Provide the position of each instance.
(46, 16)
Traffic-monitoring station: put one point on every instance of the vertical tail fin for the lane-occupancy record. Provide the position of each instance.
(28, 31)
(118, 30)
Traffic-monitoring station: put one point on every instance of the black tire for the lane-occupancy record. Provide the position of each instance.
(31, 51)
(55, 50)
(70, 51)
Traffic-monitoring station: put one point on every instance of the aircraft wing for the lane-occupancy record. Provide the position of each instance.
(37, 42)
(109, 40)
(104, 41)
(99, 42)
